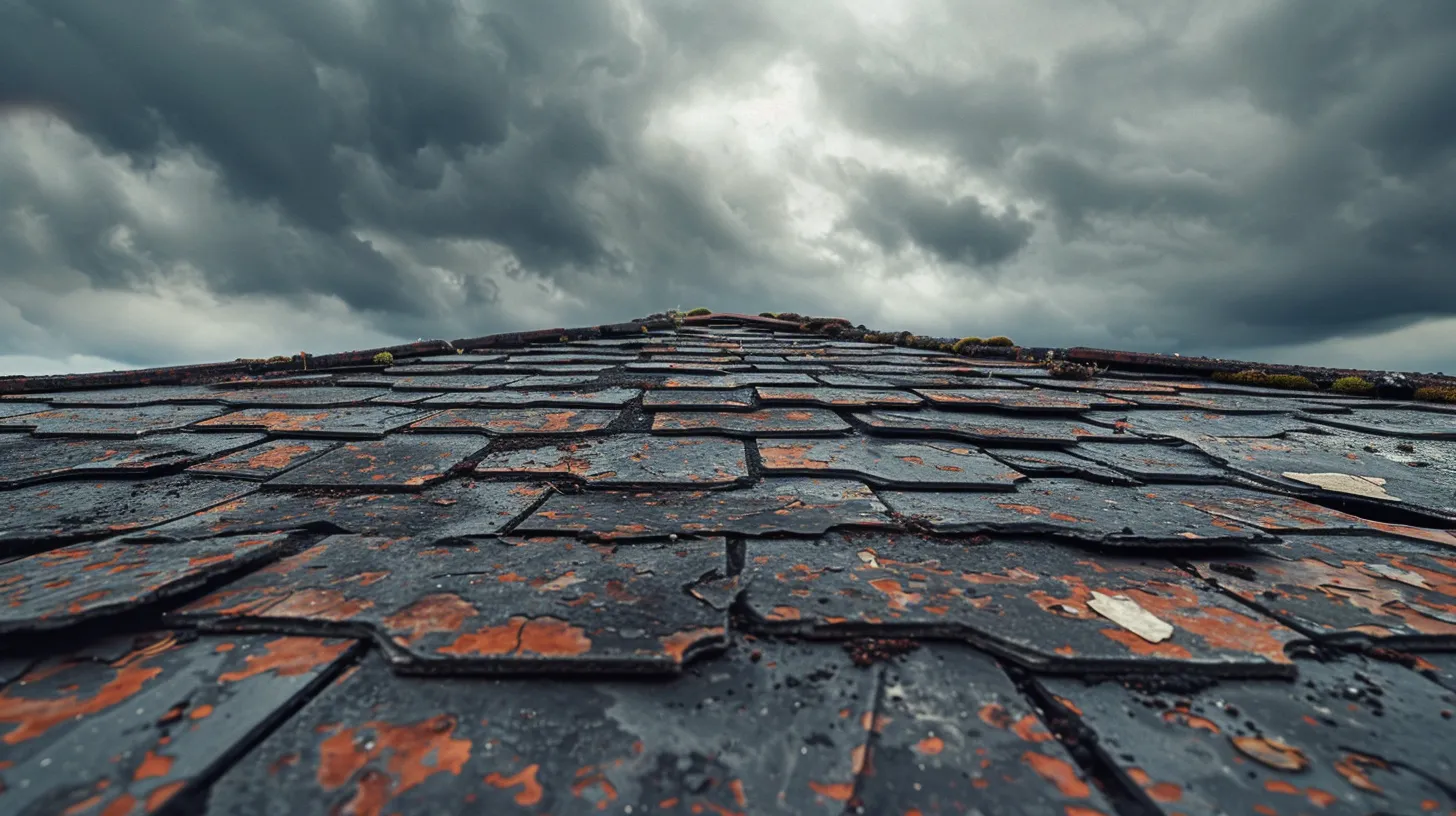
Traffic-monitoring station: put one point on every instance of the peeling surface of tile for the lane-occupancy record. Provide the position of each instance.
(310, 397)
(763, 422)
(454, 508)
(1025, 601)
(1391, 479)
(1352, 736)
(1150, 462)
(688, 399)
(838, 397)
(112, 423)
(957, 737)
(517, 421)
(134, 733)
(1079, 510)
(891, 464)
(1349, 588)
(1030, 400)
(719, 740)
(264, 461)
(1409, 424)
(63, 511)
(983, 428)
(520, 605)
(399, 462)
(71, 584)
(612, 397)
(629, 459)
(1050, 462)
(369, 422)
(24, 459)
(1191, 425)
(803, 506)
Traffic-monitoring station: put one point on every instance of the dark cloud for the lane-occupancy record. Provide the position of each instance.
(1192, 176)
(891, 212)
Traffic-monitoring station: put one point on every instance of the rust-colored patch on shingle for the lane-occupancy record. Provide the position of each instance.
(289, 657)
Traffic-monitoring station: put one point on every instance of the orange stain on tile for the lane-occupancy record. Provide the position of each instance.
(289, 657)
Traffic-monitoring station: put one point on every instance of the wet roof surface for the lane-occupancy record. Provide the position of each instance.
(725, 569)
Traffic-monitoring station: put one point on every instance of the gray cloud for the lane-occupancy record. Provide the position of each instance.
(1201, 177)
(891, 212)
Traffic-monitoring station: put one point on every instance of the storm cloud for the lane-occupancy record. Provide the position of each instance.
(184, 180)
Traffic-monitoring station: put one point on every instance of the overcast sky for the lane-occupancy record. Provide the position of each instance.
(194, 181)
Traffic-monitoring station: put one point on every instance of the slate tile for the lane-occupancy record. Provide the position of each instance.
(763, 422)
(1152, 462)
(151, 727)
(1289, 514)
(1043, 462)
(394, 463)
(453, 382)
(1031, 400)
(957, 737)
(1085, 511)
(1189, 426)
(714, 369)
(409, 398)
(132, 397)
(371, 422)
(889, 382)
(697, 359)
(79, 582)
(1409, 424)
(889, 464)
(518, 421)
(629, 459)
(434, 359)
(1227, 403)
(15, 409)
(451, 509)
(730, 381)
(1271, 460)
(1351, 736)
(24, 460)
(524, 369)
(409, 369)
(1023, 600)
(609, 397)
(111, 423)
(911, 370)
(566, 381)
(57, 512)
(1105, 385)
(594, 358)
(722, 739)
(802, 506)
(519, 605)
(838, 397)
(313, 397)
(274, 380)
(981, 428)
(262, 462)
(687, 399)
(1348, 588)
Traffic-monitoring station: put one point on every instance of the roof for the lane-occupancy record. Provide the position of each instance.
(724, 565)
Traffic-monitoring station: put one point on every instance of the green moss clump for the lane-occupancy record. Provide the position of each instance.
(700, 311)
(384, 358)
(1432, 393)
(964, 343)
(767, 314)
(1352, 385)
(1292, 382)
(999, 340)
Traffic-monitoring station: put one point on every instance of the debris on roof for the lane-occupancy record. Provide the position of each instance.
(705, 563)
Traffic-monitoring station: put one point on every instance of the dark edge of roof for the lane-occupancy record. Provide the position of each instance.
(1389, 384)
